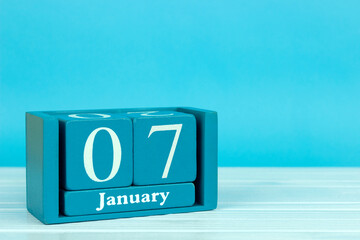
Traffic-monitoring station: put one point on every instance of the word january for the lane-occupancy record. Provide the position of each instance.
(131, 199)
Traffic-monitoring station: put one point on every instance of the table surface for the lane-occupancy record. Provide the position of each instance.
(254, 203)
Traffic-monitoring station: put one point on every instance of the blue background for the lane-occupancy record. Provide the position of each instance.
(283, 75)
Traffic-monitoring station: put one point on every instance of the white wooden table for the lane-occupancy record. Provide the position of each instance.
(254, 203)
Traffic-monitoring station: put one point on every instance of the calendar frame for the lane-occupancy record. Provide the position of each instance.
(42, 166)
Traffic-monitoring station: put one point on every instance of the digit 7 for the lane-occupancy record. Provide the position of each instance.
(177, 128)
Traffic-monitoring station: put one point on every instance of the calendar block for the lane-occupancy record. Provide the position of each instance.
(95, 151)
(127, 199)
(164, 147)
(117, 163)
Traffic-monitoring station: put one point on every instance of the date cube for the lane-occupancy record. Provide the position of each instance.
(164, 147)
(95, 151)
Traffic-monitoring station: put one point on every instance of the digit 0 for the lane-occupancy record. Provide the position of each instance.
(88, 154)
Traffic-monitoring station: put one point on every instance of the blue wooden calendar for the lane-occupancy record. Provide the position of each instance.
(104, 164)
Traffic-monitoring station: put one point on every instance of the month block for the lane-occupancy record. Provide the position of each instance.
(127, 199)
(164, 147)
(95, 151)
(117, 163)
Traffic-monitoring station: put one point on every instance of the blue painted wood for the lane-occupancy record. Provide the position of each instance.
(46, 207)
(207, 156)
(42, 166)
(152, 148)
(127, 199)
(74, 133)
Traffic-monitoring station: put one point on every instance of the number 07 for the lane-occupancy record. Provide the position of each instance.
(177, 128)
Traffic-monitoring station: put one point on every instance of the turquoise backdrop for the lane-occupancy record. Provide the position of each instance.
(283, 75)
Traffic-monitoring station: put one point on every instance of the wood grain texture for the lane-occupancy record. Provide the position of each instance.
(254, 203)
